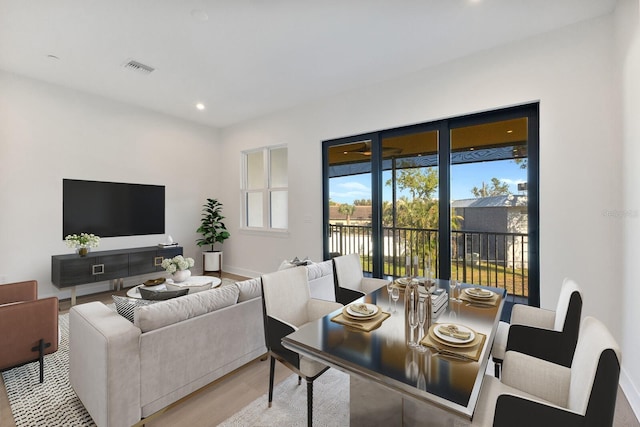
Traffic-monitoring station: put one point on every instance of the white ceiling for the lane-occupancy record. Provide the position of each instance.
(247, 58)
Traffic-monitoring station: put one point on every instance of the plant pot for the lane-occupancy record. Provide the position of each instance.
(212, 261)
(181, 275)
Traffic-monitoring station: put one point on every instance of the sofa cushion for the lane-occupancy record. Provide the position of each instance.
(160, 295)
(319, 269)
(178, 309)
(249, 289)
(126, 306)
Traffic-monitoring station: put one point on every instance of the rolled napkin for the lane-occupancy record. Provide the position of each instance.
(454, 332)
(361, 308)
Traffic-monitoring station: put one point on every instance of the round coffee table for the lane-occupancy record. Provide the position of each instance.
(194, 281)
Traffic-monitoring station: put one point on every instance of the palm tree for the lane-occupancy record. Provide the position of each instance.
(348, 210)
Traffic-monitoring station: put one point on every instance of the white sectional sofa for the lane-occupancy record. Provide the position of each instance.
(123, 371)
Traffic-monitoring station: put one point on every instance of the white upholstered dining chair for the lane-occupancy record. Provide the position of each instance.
(545, 334)
(535, 392)
(287, 306)
(350, 282)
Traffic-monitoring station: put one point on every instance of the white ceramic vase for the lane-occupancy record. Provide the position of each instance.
(181, 275)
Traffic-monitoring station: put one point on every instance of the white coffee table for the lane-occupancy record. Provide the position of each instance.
(192, 283)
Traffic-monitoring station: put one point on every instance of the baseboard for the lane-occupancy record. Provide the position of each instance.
(242, 271)
(631, 392)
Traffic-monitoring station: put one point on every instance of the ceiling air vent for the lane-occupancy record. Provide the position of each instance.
(138, 67)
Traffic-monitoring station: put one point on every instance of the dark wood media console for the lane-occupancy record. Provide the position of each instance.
(70, 270)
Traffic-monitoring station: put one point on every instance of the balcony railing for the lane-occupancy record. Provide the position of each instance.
(477, 257)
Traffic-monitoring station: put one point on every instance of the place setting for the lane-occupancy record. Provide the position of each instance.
(361, 316)
(479, 297)
(455, 341)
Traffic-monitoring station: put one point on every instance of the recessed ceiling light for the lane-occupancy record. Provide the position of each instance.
(200, 106)
(199, 15)
(509, 131)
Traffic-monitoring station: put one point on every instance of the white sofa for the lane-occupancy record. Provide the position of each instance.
(321, 281)
(123, 371)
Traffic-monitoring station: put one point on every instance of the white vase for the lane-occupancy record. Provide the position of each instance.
(181, 275)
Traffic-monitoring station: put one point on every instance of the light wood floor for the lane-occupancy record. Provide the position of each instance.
(218, 401)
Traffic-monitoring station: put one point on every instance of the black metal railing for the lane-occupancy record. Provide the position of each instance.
(477, 257)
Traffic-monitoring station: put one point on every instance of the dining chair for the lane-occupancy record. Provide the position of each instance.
(287, 306)
(545, 334)
(535, 392)
(349, 282)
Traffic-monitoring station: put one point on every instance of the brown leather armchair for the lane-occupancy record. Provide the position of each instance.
(28, 325)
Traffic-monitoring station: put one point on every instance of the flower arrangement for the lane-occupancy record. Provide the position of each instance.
(177, 263)
(84, 240)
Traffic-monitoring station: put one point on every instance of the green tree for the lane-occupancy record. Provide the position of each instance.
(362, 202)
(348, 210)
(420, 210)
(497, 188)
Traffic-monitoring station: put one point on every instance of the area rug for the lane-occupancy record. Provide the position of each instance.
(289, 408)
(52, 403)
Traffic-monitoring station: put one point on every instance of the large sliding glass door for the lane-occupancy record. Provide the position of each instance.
(410, 216)
(460, 195)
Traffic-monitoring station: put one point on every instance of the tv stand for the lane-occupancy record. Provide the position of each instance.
(71, 270)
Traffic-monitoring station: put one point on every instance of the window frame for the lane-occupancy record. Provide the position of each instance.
(266, 190)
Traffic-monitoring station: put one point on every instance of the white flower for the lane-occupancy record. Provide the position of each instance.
(178, 262)
(84, 240)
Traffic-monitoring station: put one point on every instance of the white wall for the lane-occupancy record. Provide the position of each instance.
(570, 71)
(48, 133)
(628, 27)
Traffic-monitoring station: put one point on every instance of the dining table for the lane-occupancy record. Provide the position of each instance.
(393, 382)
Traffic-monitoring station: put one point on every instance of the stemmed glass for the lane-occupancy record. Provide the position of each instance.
(422, 318)
(389, 289)
(453, 284)
(413, 322)
(395, 294)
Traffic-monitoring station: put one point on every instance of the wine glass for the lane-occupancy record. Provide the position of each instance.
(422, 318)
(395, 294)
(453, 284)
(389, 289)
(413, 322)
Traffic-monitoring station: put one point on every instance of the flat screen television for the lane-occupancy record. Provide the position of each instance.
(110, 209)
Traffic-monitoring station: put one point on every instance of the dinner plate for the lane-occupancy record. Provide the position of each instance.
(478, 293)
(357, 315)
(452, 340)
(403, 281)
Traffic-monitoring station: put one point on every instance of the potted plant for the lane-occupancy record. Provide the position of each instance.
(213, 231)
(82, 242)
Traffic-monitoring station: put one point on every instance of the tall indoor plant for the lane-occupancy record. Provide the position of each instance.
(213, 231)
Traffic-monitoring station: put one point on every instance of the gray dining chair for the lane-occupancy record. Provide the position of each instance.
(350, 283)
(545, 334)
(287, 306)
(535, 392)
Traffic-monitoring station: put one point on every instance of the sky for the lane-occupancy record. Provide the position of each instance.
(463, 178)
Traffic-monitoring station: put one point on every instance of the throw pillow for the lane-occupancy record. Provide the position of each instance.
(153, 295)
(249, 289)
(126, 306)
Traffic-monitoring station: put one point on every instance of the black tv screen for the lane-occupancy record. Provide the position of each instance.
(110, 209)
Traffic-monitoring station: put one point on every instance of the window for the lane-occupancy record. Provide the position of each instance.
(461, 192)
(265, 195)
